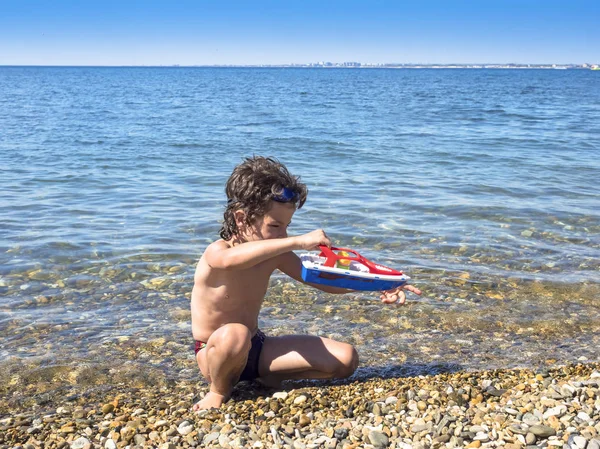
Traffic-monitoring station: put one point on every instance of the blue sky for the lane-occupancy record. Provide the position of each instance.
(202, 32)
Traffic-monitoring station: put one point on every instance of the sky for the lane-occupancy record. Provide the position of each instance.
(254, 32)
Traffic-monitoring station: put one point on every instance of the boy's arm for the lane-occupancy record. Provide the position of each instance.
(291, 265)
(245, 255)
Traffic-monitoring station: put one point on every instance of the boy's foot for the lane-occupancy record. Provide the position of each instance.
(211, 400)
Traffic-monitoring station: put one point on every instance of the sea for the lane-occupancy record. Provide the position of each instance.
(481, 185)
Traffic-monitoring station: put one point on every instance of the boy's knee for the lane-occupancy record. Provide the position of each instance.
(348, 362)
(233, 338)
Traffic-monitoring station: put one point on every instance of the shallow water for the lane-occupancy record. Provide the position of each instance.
(481, 184)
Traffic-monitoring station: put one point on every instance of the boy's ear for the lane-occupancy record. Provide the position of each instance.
(240, 218)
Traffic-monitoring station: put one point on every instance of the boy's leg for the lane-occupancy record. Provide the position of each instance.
(305, 357)
(222, 361)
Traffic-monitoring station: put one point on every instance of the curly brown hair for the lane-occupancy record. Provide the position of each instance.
(253, 185)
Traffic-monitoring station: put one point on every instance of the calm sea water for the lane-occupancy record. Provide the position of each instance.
(481, 184)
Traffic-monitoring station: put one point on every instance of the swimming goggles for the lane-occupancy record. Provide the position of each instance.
(286, 196)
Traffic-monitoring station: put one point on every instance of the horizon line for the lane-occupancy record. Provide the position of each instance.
(332, 65)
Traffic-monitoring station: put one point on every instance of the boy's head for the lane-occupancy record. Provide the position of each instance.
(259, 186)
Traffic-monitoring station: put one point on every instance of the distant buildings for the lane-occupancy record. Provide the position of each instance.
(327, 64)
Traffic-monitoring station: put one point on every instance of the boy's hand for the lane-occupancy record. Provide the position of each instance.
(397, 294)
(312, 240)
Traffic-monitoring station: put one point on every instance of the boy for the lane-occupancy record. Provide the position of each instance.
(232, 278)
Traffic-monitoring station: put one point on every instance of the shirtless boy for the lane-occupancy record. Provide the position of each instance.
(232, 278)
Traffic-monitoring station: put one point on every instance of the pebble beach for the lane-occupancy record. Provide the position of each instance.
(553, 408)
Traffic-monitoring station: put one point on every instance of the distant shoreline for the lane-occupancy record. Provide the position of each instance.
(340, 66)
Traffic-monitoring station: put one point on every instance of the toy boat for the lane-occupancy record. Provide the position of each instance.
(348, 269)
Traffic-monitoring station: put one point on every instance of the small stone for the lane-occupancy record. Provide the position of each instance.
(567, 390)
(512, 446)
(341, 433)
(584, 416)
(541, 431)
(211, 437)
(482, 436)
(299, 445)
(530, 438)
(281, 395)
(107, 408)
(223, 440)
(300, 400)
(237, 443)
(391, 400)
(167, 446)
(474, 444)
(580, 442)
(594, 444)
(495, 392)
(377, 410)
(530, 419)
(378, 439)
(185, 428)
(416, 428)
(81, 443)
(557, 411)
(304, 420)
(110, 444)
(442, 439)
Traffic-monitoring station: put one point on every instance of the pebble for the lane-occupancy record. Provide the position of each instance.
(300, 399)
(542, 431)
(378, 439)
(81, 443)
(185, 428)
(580, 442)
(593, 444)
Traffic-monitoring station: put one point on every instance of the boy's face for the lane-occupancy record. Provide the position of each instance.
(273, 225)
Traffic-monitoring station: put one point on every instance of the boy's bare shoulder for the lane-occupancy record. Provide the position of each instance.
(215, 247)
(213, 253)
(218, 245)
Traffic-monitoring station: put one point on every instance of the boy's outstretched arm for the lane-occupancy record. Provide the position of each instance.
(222, 255)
